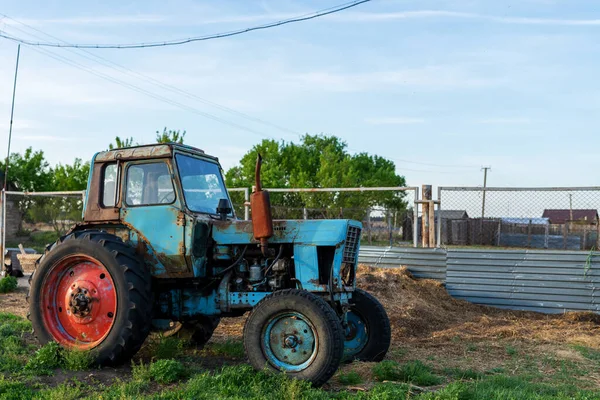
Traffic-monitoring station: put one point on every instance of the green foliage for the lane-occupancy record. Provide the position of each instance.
(46, 359)
(320, 161)
(66, 391)
(167, 347)
(170, 136)
(350, 378)
(141, 372)
(229, 348)
(121, 143)
(414, 372)
(510, 350)
(166, 371)
(458, 373)
(590, 354)
(14, 390)
(8, 284)
(76, 360)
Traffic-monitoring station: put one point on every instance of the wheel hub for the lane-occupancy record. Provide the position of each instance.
(290, 342)
(79, 302)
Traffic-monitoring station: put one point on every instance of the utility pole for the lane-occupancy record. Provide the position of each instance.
(485, 171)
(3, 197)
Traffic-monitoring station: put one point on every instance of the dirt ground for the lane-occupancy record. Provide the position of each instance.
(431, 326)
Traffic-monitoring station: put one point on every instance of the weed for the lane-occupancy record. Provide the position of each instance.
(14, 390)
(230, 348)
(350, 378)
(414, 372)
(471, 347)
(510, 350)
(76, 360)
(46, 359)
(141, 372)
(166, 371)
(167, 348)
(8, 284)
(458, 373)
(65, 391)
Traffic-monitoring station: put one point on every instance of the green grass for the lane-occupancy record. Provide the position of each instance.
(21, 365)
(413, 371)
(230, 348)
(590, 354)
(167, 347)
(350, 378)
(8, 284)
(166, 371)
(510, 350)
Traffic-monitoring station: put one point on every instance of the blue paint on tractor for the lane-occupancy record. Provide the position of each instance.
(356, 335)
(290, 342)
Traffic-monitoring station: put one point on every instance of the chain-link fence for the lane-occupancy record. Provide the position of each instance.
(37, 219)
(387, 214)
(547, 218)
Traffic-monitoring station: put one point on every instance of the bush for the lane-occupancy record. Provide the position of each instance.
(166, 371)
(8, 284)
(76, 360)
(46, 359)
(414, 372)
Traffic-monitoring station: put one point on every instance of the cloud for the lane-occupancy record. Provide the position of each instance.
(436, 77)
(514, 120)
(390, 16)
(88, 20)
(43, 138)
(394, 121)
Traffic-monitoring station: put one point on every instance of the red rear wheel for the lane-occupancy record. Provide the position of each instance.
(79, 302)
(91, 291)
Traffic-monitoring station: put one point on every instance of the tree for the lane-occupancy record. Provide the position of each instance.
(320, 161)
(70, 177)
(122, 143)
(170, 136)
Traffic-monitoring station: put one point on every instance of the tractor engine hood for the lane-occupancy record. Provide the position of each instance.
(328, 232)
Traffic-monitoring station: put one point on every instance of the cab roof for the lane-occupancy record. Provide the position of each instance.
(148, 151)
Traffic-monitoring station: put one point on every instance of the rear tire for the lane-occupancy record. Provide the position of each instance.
(296, 332)
(368, 334)
(90, 291)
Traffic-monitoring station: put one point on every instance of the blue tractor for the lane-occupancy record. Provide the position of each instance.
(160, 248)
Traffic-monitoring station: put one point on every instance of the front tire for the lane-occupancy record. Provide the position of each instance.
(90, 291)
(296, 332)
(368, 333)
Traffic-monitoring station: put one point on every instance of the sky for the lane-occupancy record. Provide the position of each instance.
(442, 88)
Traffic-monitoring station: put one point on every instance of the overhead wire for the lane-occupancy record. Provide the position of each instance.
(115, 66)
(177, 42)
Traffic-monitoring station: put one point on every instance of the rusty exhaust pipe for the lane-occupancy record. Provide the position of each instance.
(260, 203)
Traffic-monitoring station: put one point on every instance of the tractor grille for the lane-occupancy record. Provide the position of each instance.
(351, 248)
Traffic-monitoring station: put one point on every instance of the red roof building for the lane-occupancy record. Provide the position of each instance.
(562, 216)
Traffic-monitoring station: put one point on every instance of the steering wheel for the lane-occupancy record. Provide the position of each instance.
(167, 198)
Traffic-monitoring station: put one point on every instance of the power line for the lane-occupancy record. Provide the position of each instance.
(176, 42)
(166, 100)
(117, 67)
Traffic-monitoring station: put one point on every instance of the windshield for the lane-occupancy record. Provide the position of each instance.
(202, 184)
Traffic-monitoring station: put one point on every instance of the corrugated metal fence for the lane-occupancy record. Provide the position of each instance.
(422, 263)
(533, 280)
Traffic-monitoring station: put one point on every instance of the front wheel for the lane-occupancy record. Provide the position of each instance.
(368, 333)
(296, 332)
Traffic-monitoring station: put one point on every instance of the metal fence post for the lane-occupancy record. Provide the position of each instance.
(3, 224)
(416, 219)
(425, 218)
(439, 219)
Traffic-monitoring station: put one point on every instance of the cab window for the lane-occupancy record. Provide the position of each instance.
(109, 184)
(149, 184)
